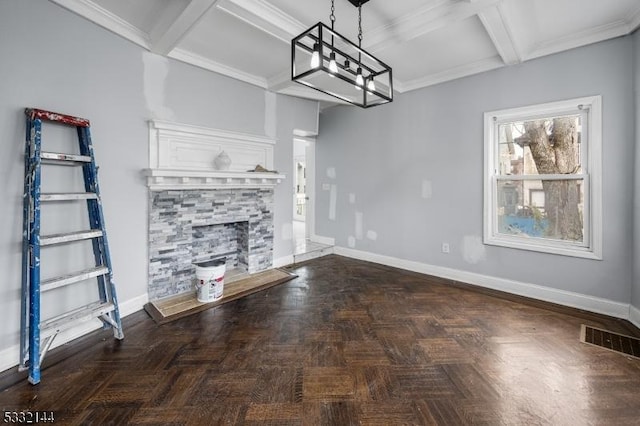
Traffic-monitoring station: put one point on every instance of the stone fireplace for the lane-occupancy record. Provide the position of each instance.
(197, 213)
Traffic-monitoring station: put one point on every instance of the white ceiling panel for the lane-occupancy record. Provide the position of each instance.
(557, 19)
(447, 48)
(227, 40)
(553, 25)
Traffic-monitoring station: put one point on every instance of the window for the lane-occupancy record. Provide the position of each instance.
(542, 185)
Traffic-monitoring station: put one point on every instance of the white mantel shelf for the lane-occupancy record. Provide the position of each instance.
(177, 179)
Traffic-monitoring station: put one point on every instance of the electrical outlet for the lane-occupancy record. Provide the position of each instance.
(445, 248)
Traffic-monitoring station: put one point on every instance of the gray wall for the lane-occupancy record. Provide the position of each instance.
(635, 295)
(415, 168)
(53, 59)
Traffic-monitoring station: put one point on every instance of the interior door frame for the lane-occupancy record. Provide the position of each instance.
(310, 163)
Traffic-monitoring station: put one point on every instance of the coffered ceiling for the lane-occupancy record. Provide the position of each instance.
(425, 41)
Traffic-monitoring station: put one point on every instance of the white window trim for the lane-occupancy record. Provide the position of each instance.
(591, 248)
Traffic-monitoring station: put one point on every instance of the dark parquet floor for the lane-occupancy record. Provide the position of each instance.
(346, 343)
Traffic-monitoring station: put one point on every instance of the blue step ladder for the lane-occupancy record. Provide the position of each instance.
(36, 334)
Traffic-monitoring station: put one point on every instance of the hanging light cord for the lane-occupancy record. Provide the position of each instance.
(360, 25)
(359, 32)
(333, 66)
(332, 16)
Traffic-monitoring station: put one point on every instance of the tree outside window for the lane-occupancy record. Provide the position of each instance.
(542, 177)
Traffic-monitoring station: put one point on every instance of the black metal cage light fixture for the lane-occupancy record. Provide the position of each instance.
(326, 61)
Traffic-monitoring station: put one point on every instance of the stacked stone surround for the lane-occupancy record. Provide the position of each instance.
(173, 214)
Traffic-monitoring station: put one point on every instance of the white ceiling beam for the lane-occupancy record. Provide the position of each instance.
(500, 34)
(112, 22)
(165, 39)
(265, 17)
(422, 21)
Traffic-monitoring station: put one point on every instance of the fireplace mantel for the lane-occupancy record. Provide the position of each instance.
(175, 179)
(182, 156)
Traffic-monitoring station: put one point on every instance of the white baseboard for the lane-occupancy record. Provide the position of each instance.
(10, 357)
(634, 316)
(547, 294)
(283, 261)
(323, 240)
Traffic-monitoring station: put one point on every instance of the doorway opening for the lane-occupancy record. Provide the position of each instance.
(301, 188)
(304, 246)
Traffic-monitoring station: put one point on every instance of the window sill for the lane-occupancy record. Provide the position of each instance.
(519, 243)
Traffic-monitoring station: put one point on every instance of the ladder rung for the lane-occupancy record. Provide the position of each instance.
(70, 159)
(69, 319)
(63, 280)
(68, 196)
(69, 237)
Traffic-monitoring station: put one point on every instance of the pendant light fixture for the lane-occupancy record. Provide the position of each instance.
(324, 60)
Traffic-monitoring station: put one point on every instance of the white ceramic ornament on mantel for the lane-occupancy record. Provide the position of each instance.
(222, 161)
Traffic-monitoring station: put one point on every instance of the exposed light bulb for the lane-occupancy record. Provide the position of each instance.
(333, 66)
(359, 79)
(315, 56)
(371, 85)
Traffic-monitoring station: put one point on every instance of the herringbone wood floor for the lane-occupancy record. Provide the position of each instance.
(348, 342)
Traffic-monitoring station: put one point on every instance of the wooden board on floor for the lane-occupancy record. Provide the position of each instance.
(173, 308)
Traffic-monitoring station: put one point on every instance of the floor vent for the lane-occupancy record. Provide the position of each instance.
(613, 341)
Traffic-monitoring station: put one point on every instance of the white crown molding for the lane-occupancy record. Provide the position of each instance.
(165, 39)
(10, 357)
(534, 291)
(500, 34)
(452, 74)
(582, 38)
(98, 15)
(265, 17)
(207, 64)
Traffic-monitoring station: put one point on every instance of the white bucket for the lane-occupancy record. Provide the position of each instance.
(210, 276)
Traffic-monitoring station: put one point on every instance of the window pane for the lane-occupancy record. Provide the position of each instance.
(551, 209)
(542, 146)
(511, 160)
(511, 154)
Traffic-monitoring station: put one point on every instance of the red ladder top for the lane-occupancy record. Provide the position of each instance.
(41, 114)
